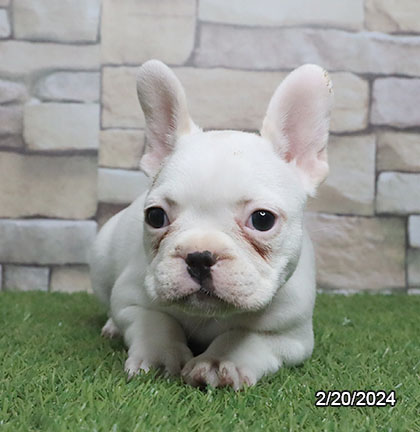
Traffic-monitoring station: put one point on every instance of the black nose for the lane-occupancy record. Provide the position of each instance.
(199, 264)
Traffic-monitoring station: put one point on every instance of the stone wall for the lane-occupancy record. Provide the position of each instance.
(71, 130)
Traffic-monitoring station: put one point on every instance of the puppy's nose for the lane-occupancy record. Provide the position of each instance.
(199, 264)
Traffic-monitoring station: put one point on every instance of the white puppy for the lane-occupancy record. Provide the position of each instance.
(215, 252)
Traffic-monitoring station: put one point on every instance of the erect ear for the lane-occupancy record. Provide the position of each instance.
(297, 122)
(164, 105)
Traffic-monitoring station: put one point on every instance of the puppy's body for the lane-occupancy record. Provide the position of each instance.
(251, 305)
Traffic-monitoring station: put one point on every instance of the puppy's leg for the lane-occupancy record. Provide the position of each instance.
(154, 340)
(239, 357)
(110, 330)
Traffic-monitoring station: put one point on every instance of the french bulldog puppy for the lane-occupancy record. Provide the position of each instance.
(215, 251)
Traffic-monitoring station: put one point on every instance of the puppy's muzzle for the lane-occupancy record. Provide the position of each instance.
(198, 266)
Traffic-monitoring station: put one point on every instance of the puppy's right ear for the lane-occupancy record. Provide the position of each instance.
(164, 105)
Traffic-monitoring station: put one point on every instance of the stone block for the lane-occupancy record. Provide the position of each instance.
(11, 120)
(51, 186)
(393, 101)
(118, 186)
(70, 86)
(11, 141)
(414, 231)
(413, 267)
(398, 193)
(42, 241)
(21, 58)
(121, 148)
(61, 126)
(11, 91)
(4, 3)
(106, 211)
(4, 24)
(287, 48)
(351, 103)
(56, 20)
(350, 186)
(25, 278)
(70, 279)
(358, 253)
(398, 151)
(134, 31)
(390, 16)
(347, 14)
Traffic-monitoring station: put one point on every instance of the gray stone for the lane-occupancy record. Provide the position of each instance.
(70, 86)
(4, 3)
(56, 20)
(42, 241)
(134, 31)
(22, 58)
(61, 126)
(11, 141)
(345, 14)
(121, 148)
(118, 186)
(336, 50)
(392, 16)
(413, 291)
(414, 231)
(358, 253)
(398, 193)
(51, 186)
(398, 151)
(393, 102)
(70, 279)
(4, 24)
(350, 186)
(25, 278)
(11, 120)
(11, 91)
(106, 211)
(413, 267)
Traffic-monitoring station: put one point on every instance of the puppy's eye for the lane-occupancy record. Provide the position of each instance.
(156, 217)
(262, 220)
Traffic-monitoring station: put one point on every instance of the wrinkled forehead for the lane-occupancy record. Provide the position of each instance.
(227, 166)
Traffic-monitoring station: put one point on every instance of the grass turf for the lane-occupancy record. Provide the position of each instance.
(58, 374)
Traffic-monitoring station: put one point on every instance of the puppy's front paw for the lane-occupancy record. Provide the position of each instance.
(170, 359)
(110, 330)
(202, 371)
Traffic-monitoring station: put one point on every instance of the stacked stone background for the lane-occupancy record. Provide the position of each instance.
(71, 130)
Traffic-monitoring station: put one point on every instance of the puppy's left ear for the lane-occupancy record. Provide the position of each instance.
(164, 105)
(297, 122)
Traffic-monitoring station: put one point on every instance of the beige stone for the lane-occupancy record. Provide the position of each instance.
(25, 58)
(70, 86)
(393, 101)
(392, 16)
(4, 24)
(61, 126)
(279, 48)
(4, 3)
(51, 186)
(106, 211)
(11, 141)
(134, 31)
(11, 120)
(25, 278)
(398, 193)
(46, 241)
(358, 253)
(414, 231)
(351, 103)
(118, 186)
(56, 20)
(350, 185)
(398, 151)
(346, 14)
(413, 267)
(121, 148)
(11, 91)
(70, 279)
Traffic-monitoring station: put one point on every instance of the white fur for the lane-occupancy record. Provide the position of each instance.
(209, 183)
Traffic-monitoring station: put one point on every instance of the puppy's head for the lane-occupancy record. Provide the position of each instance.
(223, 217)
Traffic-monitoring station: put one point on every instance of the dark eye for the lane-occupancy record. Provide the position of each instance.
(262, 220)
(156, 217)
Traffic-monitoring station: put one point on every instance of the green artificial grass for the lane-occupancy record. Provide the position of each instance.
(58, 374)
